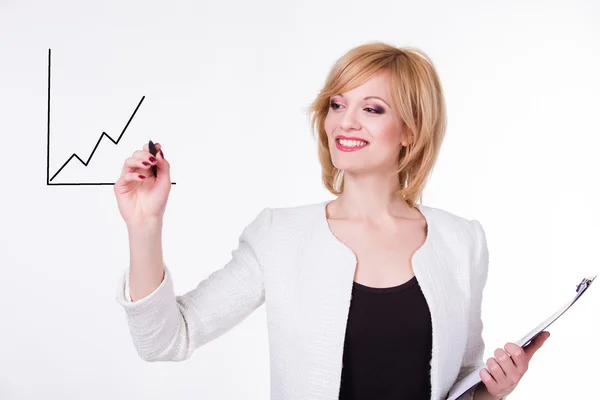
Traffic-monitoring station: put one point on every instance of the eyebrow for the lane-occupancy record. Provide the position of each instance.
(370, 97)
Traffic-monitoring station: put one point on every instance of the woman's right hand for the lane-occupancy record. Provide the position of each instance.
(141, 196)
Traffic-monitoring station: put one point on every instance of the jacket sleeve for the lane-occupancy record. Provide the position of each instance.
(166, 327)
(473, 355)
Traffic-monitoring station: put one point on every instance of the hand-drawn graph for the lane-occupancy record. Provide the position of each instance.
(74, 155)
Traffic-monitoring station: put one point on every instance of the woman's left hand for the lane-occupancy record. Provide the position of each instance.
(503, 373)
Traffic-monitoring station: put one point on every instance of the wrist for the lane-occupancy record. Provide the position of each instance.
(144, 224)
(146, 234)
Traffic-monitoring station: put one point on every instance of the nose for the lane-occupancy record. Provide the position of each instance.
(349, 120)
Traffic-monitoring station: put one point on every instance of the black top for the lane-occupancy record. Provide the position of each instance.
(387, 349)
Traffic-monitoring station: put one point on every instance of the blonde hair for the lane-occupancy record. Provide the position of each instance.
(417, 97)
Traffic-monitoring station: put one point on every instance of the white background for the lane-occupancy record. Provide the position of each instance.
(226, 86)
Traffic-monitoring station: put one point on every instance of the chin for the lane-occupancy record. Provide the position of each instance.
(350, 167)
(356, 168)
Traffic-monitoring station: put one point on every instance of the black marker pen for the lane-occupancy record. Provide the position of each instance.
(152, 149)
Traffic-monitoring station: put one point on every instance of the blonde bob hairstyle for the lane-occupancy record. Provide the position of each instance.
(417, 99)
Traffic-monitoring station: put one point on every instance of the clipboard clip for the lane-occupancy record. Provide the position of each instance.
(585, 283)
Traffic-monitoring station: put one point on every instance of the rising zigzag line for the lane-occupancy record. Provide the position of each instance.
(85, 163)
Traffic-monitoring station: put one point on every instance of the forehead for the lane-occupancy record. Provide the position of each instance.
(376, 85)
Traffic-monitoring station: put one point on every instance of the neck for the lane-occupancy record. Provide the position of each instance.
(370, 197)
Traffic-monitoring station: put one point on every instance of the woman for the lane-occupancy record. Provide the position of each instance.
(370, 295)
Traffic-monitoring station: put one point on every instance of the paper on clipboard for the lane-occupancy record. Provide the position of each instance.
(473, 378)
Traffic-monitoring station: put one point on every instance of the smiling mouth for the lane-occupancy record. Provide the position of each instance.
(350, 144)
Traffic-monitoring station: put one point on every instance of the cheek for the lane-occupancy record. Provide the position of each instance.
(329, 124)
(387, 133)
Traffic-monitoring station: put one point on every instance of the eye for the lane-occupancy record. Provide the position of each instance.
(371, 110)
(375, 110)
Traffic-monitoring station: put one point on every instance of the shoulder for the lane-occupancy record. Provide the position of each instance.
(450, 224)
(296, 217)
(459, 233)
(279, 220)
(310, 209)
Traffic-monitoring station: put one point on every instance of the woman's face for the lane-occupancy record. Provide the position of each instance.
(365, 134)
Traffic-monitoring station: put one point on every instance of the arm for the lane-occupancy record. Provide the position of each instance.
(146, 270)
(473, 355)
(165, 327)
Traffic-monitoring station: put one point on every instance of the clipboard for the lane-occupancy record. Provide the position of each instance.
(473, 379)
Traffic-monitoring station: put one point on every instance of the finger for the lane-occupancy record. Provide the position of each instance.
(133, 177)
(489, 381)
(163, 168)
(508, 366)
(143, 154)
(146, 146)
(518, 357)
(135, 164)
(158, 146)
(497, 372)
(504, 360)
(143, 157)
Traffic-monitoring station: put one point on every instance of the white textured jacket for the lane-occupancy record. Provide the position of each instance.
(289, 259)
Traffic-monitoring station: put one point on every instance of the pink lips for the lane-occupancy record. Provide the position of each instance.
(346, 148)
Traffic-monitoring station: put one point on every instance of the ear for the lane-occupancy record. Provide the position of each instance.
(405, 135)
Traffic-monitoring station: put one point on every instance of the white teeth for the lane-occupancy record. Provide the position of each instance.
(352, 143)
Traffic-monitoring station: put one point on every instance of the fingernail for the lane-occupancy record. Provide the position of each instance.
(142, 176)
(145, 163)
(152, 159)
